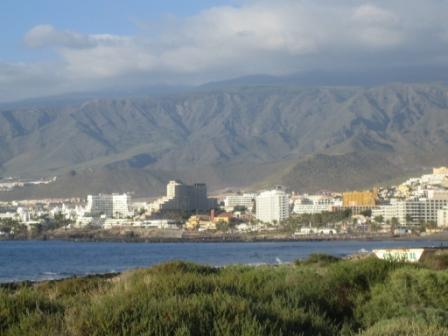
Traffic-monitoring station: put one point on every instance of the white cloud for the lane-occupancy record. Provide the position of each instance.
(258, 36)
(47, 36)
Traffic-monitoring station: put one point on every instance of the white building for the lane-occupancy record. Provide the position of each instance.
(272, 206)
(182, 197)
(157, 224)
(112, 206)
(439, 179)
(245, 200)
(412, 211)
(442, 217)
(314, 204)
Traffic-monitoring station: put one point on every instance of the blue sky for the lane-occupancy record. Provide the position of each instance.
(119, 17)
(57, 46)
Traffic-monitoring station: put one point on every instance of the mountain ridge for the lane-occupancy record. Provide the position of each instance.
(222, 134)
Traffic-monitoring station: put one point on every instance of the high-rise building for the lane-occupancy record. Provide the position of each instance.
(442, 217)
(184, 198)
(272, 206)
(112, 206)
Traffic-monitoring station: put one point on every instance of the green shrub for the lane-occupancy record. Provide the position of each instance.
(435, 262)
(322, 296)
(412, 293)
(321, 259)
(404, 327)
(27, 310)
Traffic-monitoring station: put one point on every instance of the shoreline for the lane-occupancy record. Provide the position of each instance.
(226, 238)
(143, 235)
(56, 277)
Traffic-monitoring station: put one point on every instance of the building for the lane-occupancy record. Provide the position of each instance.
(440, 171)
(223, 217)
(184, 198)
(158, 224)
(442, 217)
(314, 204)
(111, 206)
(438, 177)
(359, 199)
(412, 211)
(200, 222)
(272, 206)
(245, 200)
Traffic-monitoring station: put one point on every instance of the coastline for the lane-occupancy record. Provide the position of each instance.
(180, 236)
(361, 252)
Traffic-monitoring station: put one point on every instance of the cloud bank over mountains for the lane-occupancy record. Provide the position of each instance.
(253, 37)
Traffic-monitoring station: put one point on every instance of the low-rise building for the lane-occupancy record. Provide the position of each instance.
(158, 224)
(359, 199)
(411, 211)
(314, 204)
(202, 222)
(246, 200)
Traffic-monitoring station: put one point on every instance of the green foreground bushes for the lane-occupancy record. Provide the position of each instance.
(320, 296)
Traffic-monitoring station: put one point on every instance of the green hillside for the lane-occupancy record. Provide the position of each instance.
(320, 296)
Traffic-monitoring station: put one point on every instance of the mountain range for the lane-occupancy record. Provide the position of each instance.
(229, 135)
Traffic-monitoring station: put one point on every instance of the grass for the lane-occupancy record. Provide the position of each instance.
(319, 296)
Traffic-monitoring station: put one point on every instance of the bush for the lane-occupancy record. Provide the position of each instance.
(321, 296)
(436, 261)
(404, 327)
(321, 259)
(411, 293)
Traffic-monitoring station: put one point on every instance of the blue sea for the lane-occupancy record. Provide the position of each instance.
(45, 260)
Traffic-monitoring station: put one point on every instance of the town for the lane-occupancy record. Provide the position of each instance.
(417, 207)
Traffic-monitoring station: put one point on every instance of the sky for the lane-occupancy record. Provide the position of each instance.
(51, 46)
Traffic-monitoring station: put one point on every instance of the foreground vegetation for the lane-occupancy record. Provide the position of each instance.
(318, 296)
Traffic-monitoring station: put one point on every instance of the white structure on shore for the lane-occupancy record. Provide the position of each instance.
(272, 206)
(245, 200)
(185, 198)
(442, 217)
(111, 206)
(414, 211)
(314, 204)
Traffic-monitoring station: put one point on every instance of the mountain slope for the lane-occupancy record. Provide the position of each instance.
(221, 135)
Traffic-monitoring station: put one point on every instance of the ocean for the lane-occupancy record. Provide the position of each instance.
(47, 260)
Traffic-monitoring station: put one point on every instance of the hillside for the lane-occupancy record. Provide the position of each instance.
(318, 296)
(306, 137)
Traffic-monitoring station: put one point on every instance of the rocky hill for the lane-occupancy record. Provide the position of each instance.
(306, 137)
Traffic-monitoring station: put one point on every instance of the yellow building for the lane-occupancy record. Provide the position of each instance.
(359, 198)
(440, 171)
(197, 222)
(223, 218)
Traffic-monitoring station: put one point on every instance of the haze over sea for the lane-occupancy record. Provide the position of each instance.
(46, 260)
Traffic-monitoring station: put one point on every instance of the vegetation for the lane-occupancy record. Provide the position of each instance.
(318, 296)
(294, 222)
(13, 228)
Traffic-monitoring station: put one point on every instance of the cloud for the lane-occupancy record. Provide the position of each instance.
(47, 36)
(257, 36)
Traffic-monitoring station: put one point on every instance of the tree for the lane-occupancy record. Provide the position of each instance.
(222, 226)
(379, 219)
(394, 223)
(367, 213)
